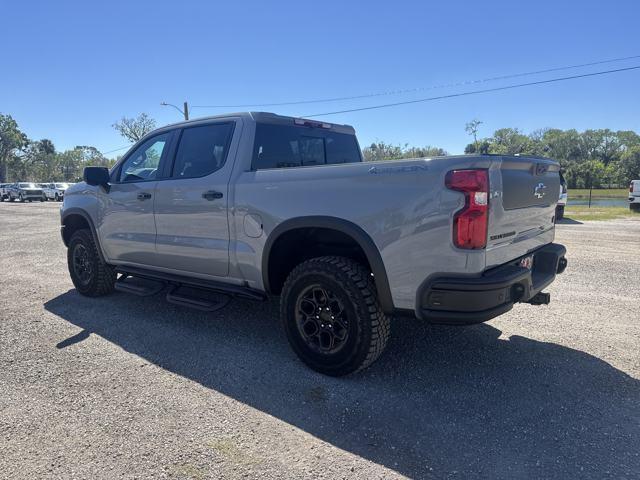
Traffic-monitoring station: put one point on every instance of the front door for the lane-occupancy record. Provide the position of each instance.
(191, 205)
(127, 228)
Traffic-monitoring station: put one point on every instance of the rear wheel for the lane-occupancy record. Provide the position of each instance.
(90, 275)
(634, 207)
(331, 315)
(21, 198)
(559, 212)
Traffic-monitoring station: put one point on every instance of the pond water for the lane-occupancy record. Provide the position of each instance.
(600, 202)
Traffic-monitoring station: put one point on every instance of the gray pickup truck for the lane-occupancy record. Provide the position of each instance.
(255, 204)
(24, 191)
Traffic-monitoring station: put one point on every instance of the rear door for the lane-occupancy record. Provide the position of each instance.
(523, 195)
(127, 228)
(191, 206)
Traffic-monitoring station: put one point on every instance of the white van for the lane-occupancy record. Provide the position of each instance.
(634, 195)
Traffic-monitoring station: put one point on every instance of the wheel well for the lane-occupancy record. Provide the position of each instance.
(295, 246)
(73, 223)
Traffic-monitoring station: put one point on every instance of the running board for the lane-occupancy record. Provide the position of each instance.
(200, 302)
(238, 291)
(142, 287)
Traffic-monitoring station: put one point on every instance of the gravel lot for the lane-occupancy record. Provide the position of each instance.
(133, 387)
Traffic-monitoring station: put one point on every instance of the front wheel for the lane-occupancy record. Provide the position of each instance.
(90, 275)
(331, 315)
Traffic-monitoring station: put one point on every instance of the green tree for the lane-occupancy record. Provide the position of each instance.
(472, 128)
(630, 164)
(11, 141)
(510, 141)
(133, 129)
(386, 151)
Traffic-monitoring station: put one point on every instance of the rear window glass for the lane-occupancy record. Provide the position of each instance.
(281, 146)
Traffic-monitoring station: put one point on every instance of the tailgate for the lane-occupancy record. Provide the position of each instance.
(524, 193)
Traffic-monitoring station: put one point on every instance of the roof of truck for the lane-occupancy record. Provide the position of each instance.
(268, 117)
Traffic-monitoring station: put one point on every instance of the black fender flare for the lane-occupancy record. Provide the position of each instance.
(361, 237)
(94, 233)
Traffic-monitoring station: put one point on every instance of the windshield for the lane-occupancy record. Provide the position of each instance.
(27, 185)
(62, 185)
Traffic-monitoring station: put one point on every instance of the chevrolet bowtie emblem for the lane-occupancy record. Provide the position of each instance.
(539, 191)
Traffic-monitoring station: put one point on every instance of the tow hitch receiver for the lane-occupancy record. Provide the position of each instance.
(540, 298)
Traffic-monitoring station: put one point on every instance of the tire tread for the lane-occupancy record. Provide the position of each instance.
(360, 278)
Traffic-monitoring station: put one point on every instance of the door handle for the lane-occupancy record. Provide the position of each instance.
(212, 195)
(144, 196)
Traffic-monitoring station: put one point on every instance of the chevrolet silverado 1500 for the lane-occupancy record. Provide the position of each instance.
(255, 205)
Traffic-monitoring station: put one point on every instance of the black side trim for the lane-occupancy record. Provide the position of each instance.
(349, 228)
(78, 211)
(234, 290)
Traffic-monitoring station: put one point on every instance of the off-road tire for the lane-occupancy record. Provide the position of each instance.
(103, 277)
(369, 328)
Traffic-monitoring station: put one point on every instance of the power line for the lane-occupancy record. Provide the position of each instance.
(420, 89)
(474, 92)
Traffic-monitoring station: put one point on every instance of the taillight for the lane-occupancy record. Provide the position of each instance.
(631, 188)
(470, 223)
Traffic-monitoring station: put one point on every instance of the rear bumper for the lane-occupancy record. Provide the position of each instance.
(634, 199)
(464, 300)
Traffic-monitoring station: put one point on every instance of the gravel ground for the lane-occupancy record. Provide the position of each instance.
(133, 387)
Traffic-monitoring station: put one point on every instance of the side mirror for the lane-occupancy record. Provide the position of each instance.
(96, 176)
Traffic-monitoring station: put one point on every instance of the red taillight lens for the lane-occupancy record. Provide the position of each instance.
(470, 223)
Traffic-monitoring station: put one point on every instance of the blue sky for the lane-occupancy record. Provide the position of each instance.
(71, 69)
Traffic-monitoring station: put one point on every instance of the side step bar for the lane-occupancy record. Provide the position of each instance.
(141, 287)
(178, 281)
(197, 298)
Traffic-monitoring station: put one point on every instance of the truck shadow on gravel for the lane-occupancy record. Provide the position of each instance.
(442, 402)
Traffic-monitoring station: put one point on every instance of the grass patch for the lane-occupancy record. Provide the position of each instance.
(583, 193)
(583, 212)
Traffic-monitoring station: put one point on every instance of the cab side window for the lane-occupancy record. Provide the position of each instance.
(143, 163)
(202, 150)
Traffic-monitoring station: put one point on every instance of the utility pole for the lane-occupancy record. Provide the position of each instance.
(184, 111)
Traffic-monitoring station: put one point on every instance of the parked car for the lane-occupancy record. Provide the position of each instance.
(256, 204)
(634, 196)
(4, 191)
(55, 191)
(562, 200)
(23, 191)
